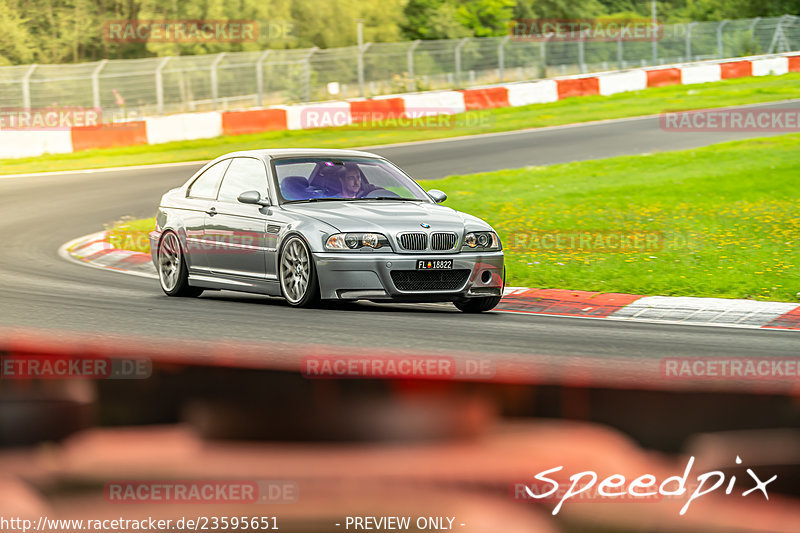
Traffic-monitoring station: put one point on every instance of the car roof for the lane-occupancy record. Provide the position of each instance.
(272, 153)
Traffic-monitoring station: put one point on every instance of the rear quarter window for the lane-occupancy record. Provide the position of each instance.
(207, 184)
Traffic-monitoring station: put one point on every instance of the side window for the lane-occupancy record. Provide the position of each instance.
(207, 184)
(245, 174)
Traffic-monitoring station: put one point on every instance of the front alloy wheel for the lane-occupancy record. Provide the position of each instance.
(298, 275)
(172, 272)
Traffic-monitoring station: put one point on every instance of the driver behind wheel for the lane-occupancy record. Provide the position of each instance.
(353, 184)
(350, 180)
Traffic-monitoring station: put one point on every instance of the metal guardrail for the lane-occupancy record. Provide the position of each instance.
(163, 85)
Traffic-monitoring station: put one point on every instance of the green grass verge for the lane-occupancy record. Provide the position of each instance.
(131, 234)
(568, 111)
(727, 216)
(724, 221)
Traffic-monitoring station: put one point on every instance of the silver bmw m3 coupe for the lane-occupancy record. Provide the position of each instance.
(322, 224)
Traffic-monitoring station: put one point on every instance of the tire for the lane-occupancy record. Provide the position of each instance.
(477, 305)
(173, 275)
(298, 274)
(480, 305)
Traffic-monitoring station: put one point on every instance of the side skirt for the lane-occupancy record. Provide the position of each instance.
(268, 287)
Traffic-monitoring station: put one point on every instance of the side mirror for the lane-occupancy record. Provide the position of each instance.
(253, 197)
(437, 195)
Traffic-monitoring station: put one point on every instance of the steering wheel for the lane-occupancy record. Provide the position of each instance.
(375, 193)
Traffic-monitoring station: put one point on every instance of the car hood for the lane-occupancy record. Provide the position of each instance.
(385, 217)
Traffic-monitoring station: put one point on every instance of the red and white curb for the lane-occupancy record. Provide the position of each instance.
(686, 310)
(95, 251)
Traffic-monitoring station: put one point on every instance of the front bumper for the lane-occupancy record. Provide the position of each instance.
(368, 276)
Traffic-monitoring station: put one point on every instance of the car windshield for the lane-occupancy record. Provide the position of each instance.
(309, 179)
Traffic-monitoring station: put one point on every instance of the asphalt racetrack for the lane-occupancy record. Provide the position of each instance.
(41, 290)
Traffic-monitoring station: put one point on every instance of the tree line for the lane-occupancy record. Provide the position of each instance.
(71, 31)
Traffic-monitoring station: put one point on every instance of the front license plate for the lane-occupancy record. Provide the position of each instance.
(434, 264)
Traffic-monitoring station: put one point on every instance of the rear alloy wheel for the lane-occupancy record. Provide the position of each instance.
(172, 272)
(297, 273)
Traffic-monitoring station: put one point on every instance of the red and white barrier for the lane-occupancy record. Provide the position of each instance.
(771, 66)
(188, 126)
(660, 77)
(736, 69)
(486, 98)
(434, 103)
(183, 127)
(375, 109)
(253, 121)
(700, 74)
(31, 143)
(620, 82)
(580, 86)
(109, 135)
(537, 92)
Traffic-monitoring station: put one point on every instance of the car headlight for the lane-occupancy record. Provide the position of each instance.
(481, 240)
(356, 241)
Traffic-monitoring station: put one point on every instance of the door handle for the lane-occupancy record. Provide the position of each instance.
(212, 211)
